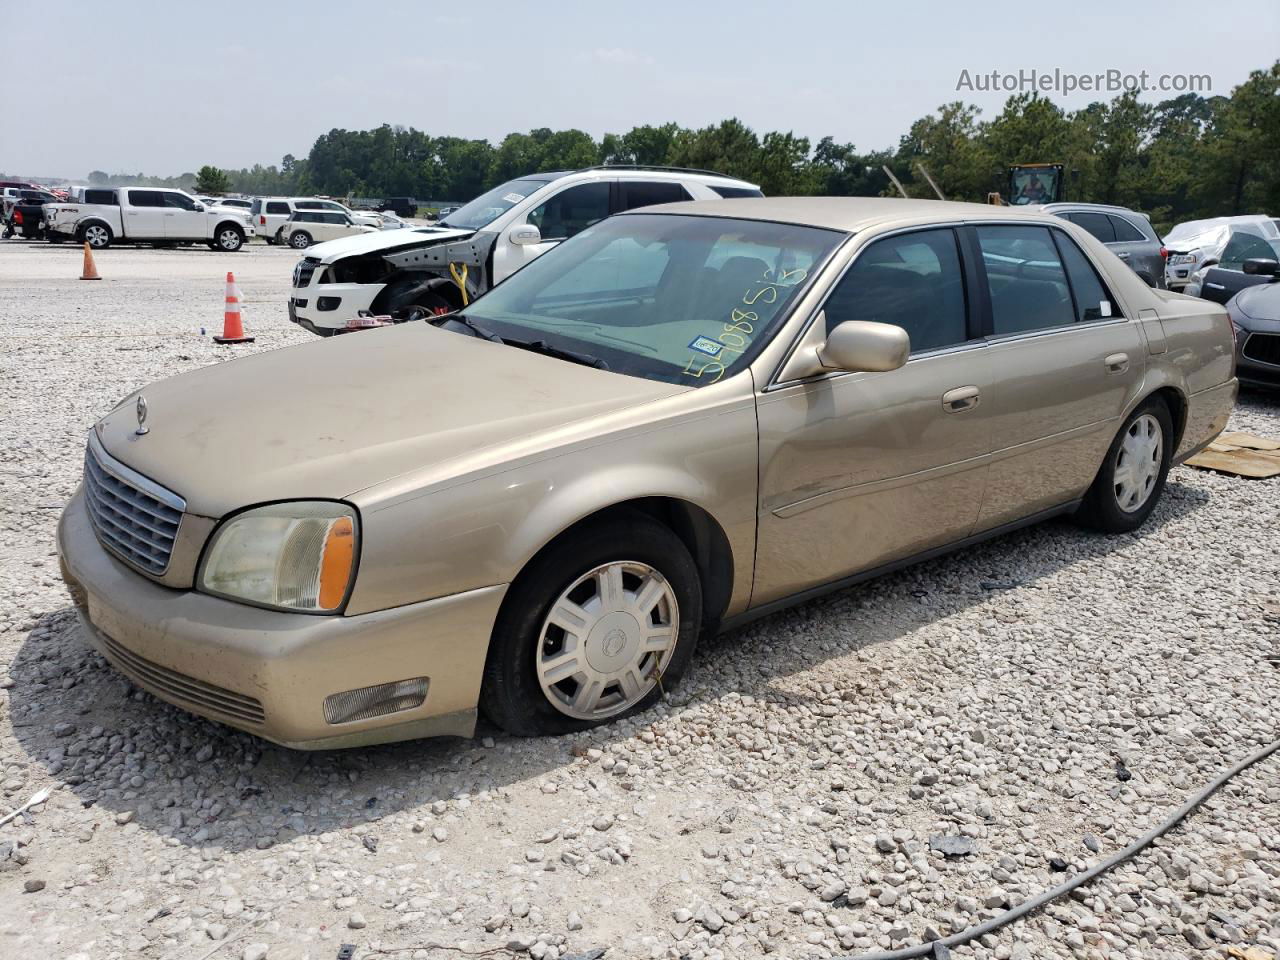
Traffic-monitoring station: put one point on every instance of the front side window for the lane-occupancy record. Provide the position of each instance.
(1026, 278)
(639, 193)
(179, 201)
(1243, 246)
(682, 299)
(913, 281)
(571, 211)
(487, 207)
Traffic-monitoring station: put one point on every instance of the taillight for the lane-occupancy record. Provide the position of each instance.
(1164, 253)
(262, 221)
(17, 216)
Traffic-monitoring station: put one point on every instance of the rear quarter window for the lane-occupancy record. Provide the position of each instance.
(100, 196)
(278, 206)
(734, 193)
(1126, 232)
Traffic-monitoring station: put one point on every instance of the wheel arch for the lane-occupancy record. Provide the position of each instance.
(238, 227)
(88, 222)
(697, 529)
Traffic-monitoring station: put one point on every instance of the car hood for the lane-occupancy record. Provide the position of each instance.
(1261, 302)
(330, 418)
(383, 241)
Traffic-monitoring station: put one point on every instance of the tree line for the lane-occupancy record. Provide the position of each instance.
(1183, 158)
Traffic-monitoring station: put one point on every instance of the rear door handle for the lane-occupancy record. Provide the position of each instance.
(961, 399)
(1215, 286)
(1117, 363)
(1123, 256)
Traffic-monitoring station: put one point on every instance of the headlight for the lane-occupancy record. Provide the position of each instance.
(1183, 258)
(291, 556)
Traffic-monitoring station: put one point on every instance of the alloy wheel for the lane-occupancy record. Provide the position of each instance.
(607, 639)
(96, 236)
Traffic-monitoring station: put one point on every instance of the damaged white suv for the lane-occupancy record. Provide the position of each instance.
(480, 244)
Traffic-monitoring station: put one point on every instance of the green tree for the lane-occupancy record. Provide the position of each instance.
(212, 180)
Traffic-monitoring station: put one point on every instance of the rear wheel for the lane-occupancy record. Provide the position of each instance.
(600, 625)
(299, 239)
(1132, 476)
(97, 235)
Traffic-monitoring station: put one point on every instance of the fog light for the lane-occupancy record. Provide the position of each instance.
(376, 701)
(328, 303)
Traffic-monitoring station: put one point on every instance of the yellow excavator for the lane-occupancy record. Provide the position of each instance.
(1033, 183)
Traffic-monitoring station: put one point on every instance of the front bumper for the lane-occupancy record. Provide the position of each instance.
(268, 672)
(351, 299)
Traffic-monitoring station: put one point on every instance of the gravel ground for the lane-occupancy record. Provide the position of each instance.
(1044, 698)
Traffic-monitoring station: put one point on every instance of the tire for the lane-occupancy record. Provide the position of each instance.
(270, 242)
(404, 295)
(299, 239)
(648, 560)
(229, 238)
(97, 235)
(1121, 499)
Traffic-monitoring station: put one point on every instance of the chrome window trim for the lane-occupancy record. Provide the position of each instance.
(128, 475)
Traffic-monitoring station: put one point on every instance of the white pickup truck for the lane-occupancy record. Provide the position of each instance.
(146, 215)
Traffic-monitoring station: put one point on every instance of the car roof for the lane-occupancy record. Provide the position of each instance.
(849, 214)
(1088, 208)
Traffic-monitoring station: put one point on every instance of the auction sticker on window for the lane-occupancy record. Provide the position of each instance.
(512, 197)
(706, 345)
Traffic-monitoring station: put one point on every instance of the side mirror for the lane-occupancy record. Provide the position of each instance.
(524, 234)
(863, 346)
(199, 208)
(1261, 267)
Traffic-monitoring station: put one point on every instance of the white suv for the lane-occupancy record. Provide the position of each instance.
(270, 213)
(305, 227)
(492, 237)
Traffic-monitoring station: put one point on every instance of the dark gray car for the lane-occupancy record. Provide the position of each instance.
(1255, 320)
(1127, 234)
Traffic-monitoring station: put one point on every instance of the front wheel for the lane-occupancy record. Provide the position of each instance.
(229, 239)
(599, 626)
(299, 239)
(1132, 476)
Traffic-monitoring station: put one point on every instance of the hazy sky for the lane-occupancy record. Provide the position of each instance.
(163, 88)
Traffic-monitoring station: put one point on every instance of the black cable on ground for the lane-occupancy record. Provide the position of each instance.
(940, 949)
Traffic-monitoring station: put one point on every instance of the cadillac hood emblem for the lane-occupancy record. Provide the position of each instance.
(143, 429)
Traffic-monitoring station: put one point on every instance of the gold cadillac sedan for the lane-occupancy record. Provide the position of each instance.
(682, 418)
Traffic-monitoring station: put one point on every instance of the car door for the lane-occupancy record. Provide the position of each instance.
(1068, 363)
(559, 217)
(858, 470)
(182, 221)
(1227, 278)
(1140, 252)
(144, 217)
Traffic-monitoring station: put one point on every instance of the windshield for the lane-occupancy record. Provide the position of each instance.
(682, 299)
(488, 207)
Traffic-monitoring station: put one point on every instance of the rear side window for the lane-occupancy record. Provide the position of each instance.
(1027, 280)
(913, 281)
(333, 218)
(638, 193)
(1090, 297)
(1098, 224)
(100, 196)
(307, 204)
(278, 206)
(1126, 232)
(733, 193)
(146, 198)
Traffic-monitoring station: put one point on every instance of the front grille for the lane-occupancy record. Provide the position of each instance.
(181, 689)
(134, 518)
(303, 272)
(1263, 348)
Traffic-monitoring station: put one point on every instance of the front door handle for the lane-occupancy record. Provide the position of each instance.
(1117, 363)
(1123, 256)
(961, 399)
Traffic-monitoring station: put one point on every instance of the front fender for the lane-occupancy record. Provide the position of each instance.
(483, 529)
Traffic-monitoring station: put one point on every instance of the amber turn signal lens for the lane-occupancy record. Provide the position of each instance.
(335, 563)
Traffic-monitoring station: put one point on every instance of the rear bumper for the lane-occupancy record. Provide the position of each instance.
(1207, 414)
(268, 672)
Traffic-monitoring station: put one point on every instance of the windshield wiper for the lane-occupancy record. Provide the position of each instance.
(541, 346)
(464, 321)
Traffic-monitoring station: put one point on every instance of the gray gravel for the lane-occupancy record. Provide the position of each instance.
(892, 763)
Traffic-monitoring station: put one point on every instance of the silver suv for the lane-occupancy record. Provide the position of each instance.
(1127, 234)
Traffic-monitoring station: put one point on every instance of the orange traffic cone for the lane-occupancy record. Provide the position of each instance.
(90, 271)
(232, 328)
